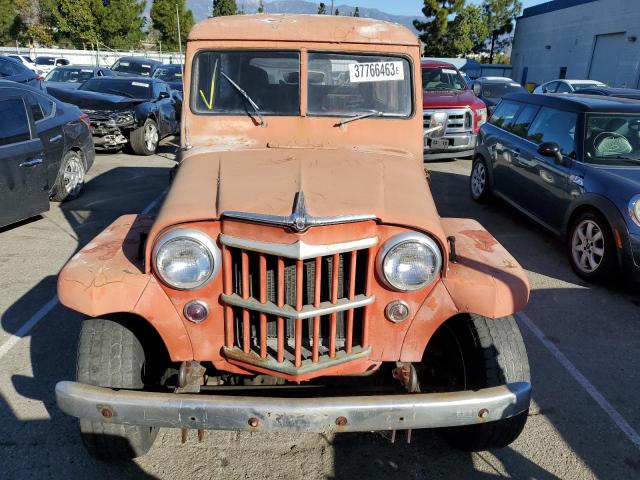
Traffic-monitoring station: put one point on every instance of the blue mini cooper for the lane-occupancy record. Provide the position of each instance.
(571, 163)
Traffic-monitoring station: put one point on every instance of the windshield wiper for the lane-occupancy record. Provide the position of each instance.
(372, 113)
(246, 97)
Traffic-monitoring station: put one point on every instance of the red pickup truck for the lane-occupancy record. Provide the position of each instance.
(453, 114)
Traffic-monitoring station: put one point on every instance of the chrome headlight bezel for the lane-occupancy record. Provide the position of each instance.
(634, 209)
(400, 239)
(193, 235)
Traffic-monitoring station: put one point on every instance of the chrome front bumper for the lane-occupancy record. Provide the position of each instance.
(342, 414)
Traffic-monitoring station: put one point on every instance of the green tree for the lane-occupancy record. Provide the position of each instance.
(499, 17)
(435, 30)
(120, 22)
(322, 9)
(222, 8)
(163, 17)
(261, 7)
(75, 21)
(467, 31)
(8, 17)
(356, 12)
(337, 12)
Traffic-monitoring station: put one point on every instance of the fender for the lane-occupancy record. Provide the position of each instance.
(107, 276)
(485, 280)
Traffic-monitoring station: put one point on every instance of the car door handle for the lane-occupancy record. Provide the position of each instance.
(55, 139)
(31, 163)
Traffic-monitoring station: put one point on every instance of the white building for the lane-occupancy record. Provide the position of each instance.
(578, 39)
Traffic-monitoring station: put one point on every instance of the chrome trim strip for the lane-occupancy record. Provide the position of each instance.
(299, 250)
(272, 414)
(289, 368)
(308, 311)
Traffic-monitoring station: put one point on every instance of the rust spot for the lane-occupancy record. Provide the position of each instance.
(341, 421)
(482, 240)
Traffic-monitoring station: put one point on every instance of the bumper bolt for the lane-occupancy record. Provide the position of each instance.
(253, 422)
(106, 413)
(484, 413)
(341, 421)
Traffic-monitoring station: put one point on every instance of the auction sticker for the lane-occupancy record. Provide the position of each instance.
(140, 84)
(376, 72)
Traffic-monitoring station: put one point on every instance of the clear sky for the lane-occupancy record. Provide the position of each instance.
(408, 7)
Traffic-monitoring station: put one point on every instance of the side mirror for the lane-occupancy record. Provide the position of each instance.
(551, 149)
(477, 89)
(163, 95)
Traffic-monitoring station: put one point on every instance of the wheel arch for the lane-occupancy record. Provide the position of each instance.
(478, 155)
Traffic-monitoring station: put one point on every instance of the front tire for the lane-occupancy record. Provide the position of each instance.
(110, 355)
(144, 140)
(479, 180)
(491, 353)
(70, 179)
(591, 247)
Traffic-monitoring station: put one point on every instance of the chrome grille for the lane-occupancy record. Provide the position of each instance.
(458, 120)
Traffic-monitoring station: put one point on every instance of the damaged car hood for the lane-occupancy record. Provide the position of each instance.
(88, 100)
(389, 186)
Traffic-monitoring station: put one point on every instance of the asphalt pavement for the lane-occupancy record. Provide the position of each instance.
(583, 343)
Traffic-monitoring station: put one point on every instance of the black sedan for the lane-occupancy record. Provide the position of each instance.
(491, 89)
(129, 66)
(12, 69)
(170, 73)
(127, 110)
(45, 151)
(72, 76)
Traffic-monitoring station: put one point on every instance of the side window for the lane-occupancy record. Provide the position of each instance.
(558, 126)
(522, 123)
(504, 114)
(41, 107)
(14, 121)
(551, 87)
(563, 88)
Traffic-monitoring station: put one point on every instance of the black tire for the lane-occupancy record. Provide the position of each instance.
(479, 187)
(70, 180)
(495, 355)
(110, 355)
(140, 143)
(589, 250)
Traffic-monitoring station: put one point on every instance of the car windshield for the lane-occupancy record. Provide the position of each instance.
(45, 61)
(70, 75)
(135, 67)
(612, 139)
(169, 74)
(499, 90)
(441, 78)
(138, 89)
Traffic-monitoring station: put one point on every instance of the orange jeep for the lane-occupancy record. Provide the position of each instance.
(298, 276)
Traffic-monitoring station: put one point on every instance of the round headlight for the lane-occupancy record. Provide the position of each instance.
(409, 261)
(186, 259)
(634, 209)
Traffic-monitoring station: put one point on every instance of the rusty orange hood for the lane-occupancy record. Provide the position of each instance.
(389, 185)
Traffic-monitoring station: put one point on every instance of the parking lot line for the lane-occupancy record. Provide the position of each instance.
(24, 330)
(609, 409)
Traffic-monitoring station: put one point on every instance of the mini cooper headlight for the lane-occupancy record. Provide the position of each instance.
(409, 261)
(634, 209)
(186, 259)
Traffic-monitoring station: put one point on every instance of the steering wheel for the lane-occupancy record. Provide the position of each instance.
(624, 145)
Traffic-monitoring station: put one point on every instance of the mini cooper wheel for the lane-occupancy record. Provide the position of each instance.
(591, 247)
(471, 353)
(111, 355)
(70, 179)
(479, 180)
(144, 140)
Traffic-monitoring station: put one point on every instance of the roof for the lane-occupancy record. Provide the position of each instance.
(436, 64)
(141, 59)
(610, 91)
(495, 79)
(303, 28)
(578, 102)
(571, 82)
(553, 6)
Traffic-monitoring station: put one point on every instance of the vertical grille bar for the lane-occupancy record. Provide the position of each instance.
(298, 330)
(316, 303)
(228, 290)
(352, 294)
(334, 299)
(263, 299)
(246, 324)
(280, 320)
(368, 288)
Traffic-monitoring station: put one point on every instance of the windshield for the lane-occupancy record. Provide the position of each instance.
(127, 88)
(354, 84)
(612, 139)
(169, 74)
(70, 75)
(45, 61)
(140, 67)
(270, 79)
(441, 78)
(499, 90)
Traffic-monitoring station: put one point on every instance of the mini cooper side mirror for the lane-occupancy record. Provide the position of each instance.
(551, 149)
